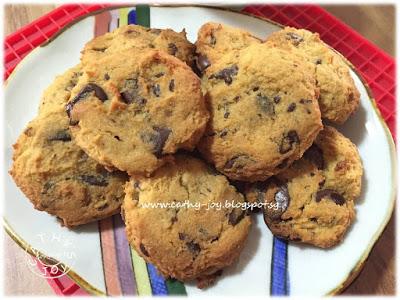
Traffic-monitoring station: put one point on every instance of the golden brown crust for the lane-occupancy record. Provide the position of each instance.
(185, 243)
(147, 106)
(59, 178)
(339, 97)
(214, 40)
(264, 112)
(313, 200)
(135, 38)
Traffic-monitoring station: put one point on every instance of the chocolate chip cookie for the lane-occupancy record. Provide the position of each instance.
(57, 94)
(264, 112)
(215, 40)
(173, 221)
(313, 200)
(135, 38)
(339, 97)
(59, 178)
(130, 111)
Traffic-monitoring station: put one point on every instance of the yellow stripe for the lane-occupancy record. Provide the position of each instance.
(123, 16)
(141, 275)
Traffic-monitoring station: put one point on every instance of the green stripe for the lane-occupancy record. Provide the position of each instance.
(141, 275)
(175, 287)
(143, 15)
(123, 16)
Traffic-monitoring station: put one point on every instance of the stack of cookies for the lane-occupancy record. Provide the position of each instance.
(181, 138)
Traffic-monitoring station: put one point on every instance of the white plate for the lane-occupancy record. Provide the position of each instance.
(311, 271)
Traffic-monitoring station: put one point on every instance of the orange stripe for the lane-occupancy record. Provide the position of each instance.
(102, 22)
(109, 257)
(110, 268)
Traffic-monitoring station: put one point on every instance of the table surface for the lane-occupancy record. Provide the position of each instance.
(375, 22)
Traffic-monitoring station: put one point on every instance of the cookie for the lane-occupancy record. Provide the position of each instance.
(135, 38)
(264, 112)
(339, 97)
(130, 111)
(215, 40)
(59, 178)
(57, 94)
(313, 200)
(173, 222)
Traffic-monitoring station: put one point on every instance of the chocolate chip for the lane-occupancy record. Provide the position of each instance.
(332, 195)
(157, 139)
(132, 32)
(255, 89)
(93, 180)
(162, 137)
(62, 135)
(282, 197)
(213, 40)
(48, 185)
(83, 93)
(238, 162)
(172, 49)
(73, 122)
(130, 92)
(171, 85)
(106, 77)
(226, 74)
(305, 101)
(182, 236)
(321, 183)
(295, 38)
(193, 247)
(159, 75)
(235, 216)
(202, 63)
(226, 114)
(315, 155)
(156, 90)
(223, 133)
(287, 142)
(291, 107)
(229, 164)
(136, 185)
(318, 61)
(99, 49)
(117, 138)
(155, 31)
(266, 105)
(277, 99)
(143, 250)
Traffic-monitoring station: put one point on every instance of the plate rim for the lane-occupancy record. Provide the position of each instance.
(355, 271)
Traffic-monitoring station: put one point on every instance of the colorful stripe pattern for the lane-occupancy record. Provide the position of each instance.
(125, 272)
(279, 268)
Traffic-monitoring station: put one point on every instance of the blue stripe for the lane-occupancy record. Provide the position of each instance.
(132, 17)
(157, 282)
(279, 268)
